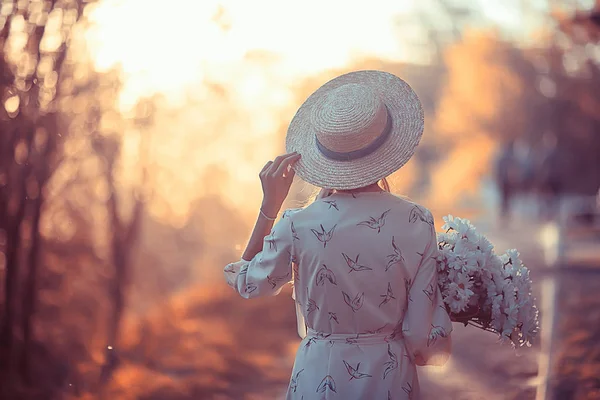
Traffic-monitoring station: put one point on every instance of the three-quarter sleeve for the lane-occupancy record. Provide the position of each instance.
(270, 269)
(427, 327)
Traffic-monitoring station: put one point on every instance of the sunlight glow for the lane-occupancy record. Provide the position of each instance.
(231, 72)
(164, 49)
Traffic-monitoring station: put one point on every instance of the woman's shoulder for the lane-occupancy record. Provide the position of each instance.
(336, 201)
(413, 212)
(290, 212)
(406, 202)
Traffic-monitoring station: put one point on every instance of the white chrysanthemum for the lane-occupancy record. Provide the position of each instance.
(496, 289)
(527, 314)
(484, 245)
(458, 298)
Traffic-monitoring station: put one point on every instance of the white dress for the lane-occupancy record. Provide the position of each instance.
(364, 273)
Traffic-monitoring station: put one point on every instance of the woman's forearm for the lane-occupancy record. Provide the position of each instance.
(262, 228)
(276, 178)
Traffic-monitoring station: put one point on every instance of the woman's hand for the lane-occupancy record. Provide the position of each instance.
(276, 178)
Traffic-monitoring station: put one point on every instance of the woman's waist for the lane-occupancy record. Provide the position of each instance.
(369, 337)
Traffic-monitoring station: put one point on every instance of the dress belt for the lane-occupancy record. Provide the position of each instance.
(354, 338)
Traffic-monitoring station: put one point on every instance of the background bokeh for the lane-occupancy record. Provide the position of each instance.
(132, 133)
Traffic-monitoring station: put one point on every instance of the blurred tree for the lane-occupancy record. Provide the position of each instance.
(501, 91)
(60, 168)
(122, 235)
(486, 98)
(572, 72)
(440, 23)
(34, 38)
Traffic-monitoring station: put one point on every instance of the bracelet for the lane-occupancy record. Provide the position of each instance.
(266, 216)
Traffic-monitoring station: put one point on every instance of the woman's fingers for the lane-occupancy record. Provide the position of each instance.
(284, 166)
(276, 163)
(289, 175)
(279, 160)
(265, 168)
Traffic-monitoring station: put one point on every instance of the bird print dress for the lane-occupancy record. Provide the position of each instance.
(364, 271)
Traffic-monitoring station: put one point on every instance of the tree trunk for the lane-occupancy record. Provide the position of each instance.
(30, 292)
(123, 241)
(12, 222)
(13, 244)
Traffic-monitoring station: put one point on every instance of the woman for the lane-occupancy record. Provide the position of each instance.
(362, 261)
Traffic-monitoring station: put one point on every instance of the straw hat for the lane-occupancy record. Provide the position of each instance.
(355, 130)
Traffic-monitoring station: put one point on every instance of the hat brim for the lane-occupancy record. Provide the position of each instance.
(407, 129)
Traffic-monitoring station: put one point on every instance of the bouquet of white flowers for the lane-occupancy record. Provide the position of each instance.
(483, 289)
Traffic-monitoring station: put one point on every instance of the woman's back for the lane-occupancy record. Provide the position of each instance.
(357, 255)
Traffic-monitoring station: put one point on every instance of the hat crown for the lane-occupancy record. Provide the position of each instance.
(349, 118)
